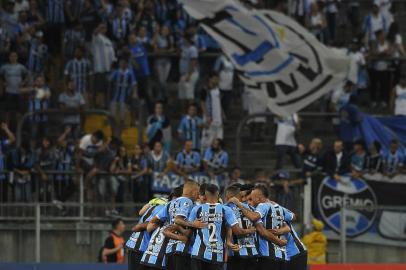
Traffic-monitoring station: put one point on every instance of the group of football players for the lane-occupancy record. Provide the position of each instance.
(198, 230)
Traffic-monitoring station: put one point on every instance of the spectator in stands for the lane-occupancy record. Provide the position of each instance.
(358, 64)
(341, 95)
(374, 22)
(64, 186)
(140, 64)
(398, 50)
(5, 43)
(35, 15)
(336, 162)
(300, 9)
(79, 69)
(393, 159)
(225, 69)
(188, 69)
(120, 168)
(261, 176)
(158, 161)
(7, 139)
(14, 75)
(107, 186)
(374, 162)
(235, 177)
(159, 128)
(358, 158)
(123, 91)
(21, 162)
(38, 54)
(331, 9)
(285, 143)
(380, 75)
(187, 161)
(144, 38)
(74, 37)
(163, 44)
(311, 157)
(89, 146)
(316, 22)
(55, 19)
(385, 9)
(210, 102)
(72, 100)
(88, 18)
(113, 249)
(140, 179)
(197, 39)
(398, 98)
(104, 55)
(44, 162)
(190, 127)
(255, 105)
(215, 160)
(119, 26)
(39, 96)
(283, 191)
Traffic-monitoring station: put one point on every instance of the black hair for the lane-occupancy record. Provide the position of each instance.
(377, 146)
(176, 192)
(360, 142)
(237, 185)
(212, 189)
(263, 189)
(202, 189)
(212, 74)
(247, 187)
(99, 135)
(116, 222)
(394, 141)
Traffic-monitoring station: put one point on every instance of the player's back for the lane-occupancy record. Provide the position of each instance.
(209, 244)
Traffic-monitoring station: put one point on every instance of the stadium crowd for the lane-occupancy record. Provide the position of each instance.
(78, 54)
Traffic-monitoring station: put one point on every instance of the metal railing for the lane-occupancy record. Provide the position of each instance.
(244, 121)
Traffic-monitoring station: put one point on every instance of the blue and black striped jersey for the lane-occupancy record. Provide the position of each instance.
(182, 207)
(138, 241)
(248, 243)
(155, 254)
(295, 246)
(273, 216)
(209, 244)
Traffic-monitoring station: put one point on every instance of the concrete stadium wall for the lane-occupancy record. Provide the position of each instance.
(62, 244)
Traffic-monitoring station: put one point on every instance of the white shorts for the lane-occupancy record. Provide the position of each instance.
(186, 89)
(214, 131)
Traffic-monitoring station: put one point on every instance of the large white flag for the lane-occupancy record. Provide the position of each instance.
(280, 60)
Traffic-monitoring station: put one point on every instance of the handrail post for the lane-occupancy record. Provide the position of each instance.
(37, 232)
(81, 197)
(343, 230)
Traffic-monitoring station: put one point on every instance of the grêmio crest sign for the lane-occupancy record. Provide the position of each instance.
(353, 193)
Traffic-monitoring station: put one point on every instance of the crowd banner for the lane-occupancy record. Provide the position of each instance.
(165, 183)
(375, 207)
(279, 60)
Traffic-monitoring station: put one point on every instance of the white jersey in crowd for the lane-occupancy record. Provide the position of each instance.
(286, 128)
(103, 53)
(400, 100)
(384, 8)
(254, 105)
(226, 73)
